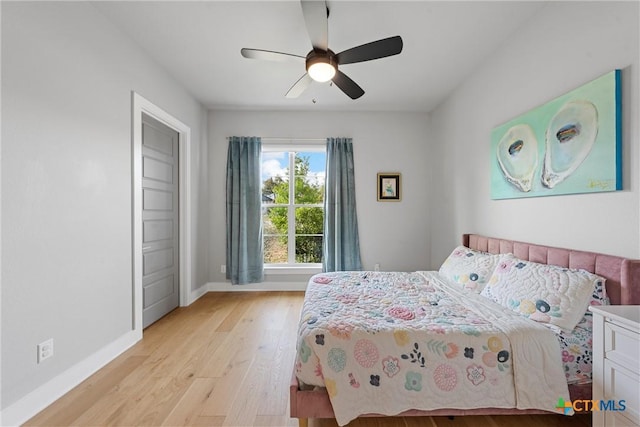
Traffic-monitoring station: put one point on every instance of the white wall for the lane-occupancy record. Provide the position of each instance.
(393, 234)
(67, 79)
(566, 45)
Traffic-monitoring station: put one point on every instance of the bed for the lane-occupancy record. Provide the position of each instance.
(348, 360)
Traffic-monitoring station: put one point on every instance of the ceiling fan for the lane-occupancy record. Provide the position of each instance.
(321, 62)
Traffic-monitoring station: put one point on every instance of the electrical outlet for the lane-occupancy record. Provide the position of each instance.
(45, 350)
(377, 267)
(223, 268)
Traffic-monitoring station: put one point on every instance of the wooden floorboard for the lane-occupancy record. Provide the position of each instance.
(225, 360)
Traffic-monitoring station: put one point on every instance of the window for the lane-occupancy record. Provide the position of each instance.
(293, 215)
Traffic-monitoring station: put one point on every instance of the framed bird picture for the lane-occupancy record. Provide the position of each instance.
(389, 187)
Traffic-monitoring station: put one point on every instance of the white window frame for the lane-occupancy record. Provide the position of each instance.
(293, 146)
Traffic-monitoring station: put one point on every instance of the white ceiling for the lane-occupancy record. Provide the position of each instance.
(199, 44)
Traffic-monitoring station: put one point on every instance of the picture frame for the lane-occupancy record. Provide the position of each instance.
(389, 188)
(569, 145)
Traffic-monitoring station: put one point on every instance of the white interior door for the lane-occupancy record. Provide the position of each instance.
(160, 220)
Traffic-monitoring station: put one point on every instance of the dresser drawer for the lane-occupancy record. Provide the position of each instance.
(622, 384)
(622, 345)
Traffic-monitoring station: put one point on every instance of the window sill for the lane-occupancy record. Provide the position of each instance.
(288, 269)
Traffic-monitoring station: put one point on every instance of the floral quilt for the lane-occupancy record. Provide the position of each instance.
(385, 342)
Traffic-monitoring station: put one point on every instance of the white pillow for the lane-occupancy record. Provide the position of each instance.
(470, 268)
(541, 292)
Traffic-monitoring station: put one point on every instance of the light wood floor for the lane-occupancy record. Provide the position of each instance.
(224, 361)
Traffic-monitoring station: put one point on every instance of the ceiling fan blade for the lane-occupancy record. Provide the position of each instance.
(316, 19)
(374, 50)
(300, 86)
(270, 55)
(347, 85)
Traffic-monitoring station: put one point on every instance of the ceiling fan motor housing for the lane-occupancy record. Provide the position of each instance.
(325, 63)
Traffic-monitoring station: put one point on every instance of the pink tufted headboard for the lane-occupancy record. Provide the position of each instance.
(622, 274)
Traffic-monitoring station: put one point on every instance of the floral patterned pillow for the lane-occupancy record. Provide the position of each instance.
(470, 268)
(544, 293)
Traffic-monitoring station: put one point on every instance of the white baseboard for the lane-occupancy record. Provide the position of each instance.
(197, 294)
(34, 402)
(264, 286)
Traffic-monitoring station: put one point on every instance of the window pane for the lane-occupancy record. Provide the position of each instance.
(274, 221)
(275, 249)
(309, 178)
(309, 249)
(309, 220)
(305, 171)
(275, 177)
(308, 191)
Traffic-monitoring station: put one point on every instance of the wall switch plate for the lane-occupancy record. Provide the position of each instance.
(45, 350)
(223, 268)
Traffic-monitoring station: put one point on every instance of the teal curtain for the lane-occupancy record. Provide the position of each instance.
(244, 225)
(341, 246)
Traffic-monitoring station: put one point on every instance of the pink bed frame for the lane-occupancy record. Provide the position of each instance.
(621, 274)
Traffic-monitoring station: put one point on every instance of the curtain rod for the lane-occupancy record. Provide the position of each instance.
(289, 139)
(293, 139)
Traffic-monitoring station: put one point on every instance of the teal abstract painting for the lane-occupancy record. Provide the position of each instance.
(570, 145)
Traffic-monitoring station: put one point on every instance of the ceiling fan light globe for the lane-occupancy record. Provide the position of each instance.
(321, 71)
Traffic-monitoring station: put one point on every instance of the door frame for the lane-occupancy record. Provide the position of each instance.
(141, 105)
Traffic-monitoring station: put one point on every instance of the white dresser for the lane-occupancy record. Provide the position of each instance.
(616, 364)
